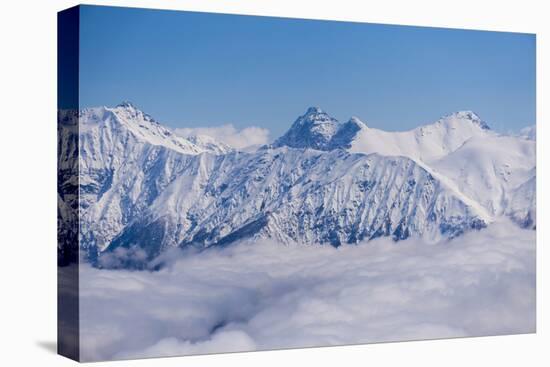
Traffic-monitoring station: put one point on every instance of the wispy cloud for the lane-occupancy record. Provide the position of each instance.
(230, 135)
(265, 295)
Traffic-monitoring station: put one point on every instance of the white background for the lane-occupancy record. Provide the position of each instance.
(28, 181)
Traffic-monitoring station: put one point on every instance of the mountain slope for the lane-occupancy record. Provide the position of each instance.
(490, 169)
(485, 167)
(522, 204)
(301, 196)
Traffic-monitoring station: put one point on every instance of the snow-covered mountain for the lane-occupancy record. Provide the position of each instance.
(144, 189)
(460, 149)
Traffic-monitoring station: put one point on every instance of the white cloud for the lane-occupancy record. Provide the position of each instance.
(225, 341)
(265, 295)
(230, 135)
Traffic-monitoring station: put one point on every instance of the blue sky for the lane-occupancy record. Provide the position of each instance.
(197, 69)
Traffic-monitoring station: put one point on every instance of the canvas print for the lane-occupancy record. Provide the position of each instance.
(232, 183)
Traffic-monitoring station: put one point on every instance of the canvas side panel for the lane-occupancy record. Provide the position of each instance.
(67, 183)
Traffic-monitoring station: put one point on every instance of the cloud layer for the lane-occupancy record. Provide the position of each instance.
(265, 295)
(228, 134)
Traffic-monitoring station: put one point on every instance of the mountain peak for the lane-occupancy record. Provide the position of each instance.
(127, 104)
(314, 129)
(347, 133)
(317, 116)
(133, 113)
(467, 115)
(314, 110)
(317, 130)
(125, 121)
(357, 122)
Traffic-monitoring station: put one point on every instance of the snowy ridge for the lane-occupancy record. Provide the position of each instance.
(144, 189)
(425, 143)
(127, 119)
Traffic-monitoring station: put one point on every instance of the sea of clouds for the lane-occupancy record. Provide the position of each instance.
(264, 295)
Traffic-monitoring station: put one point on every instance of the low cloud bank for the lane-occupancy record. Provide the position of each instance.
(265, 295)
(228, 134)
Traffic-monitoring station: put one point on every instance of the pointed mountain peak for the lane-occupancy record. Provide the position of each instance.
(314, 129)
(318, 130)
(357, 122)
(127, 104)
(314, 110)
(346, 133)
(129, 109)
(125, 121)
(316, 115)
(466, 116)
